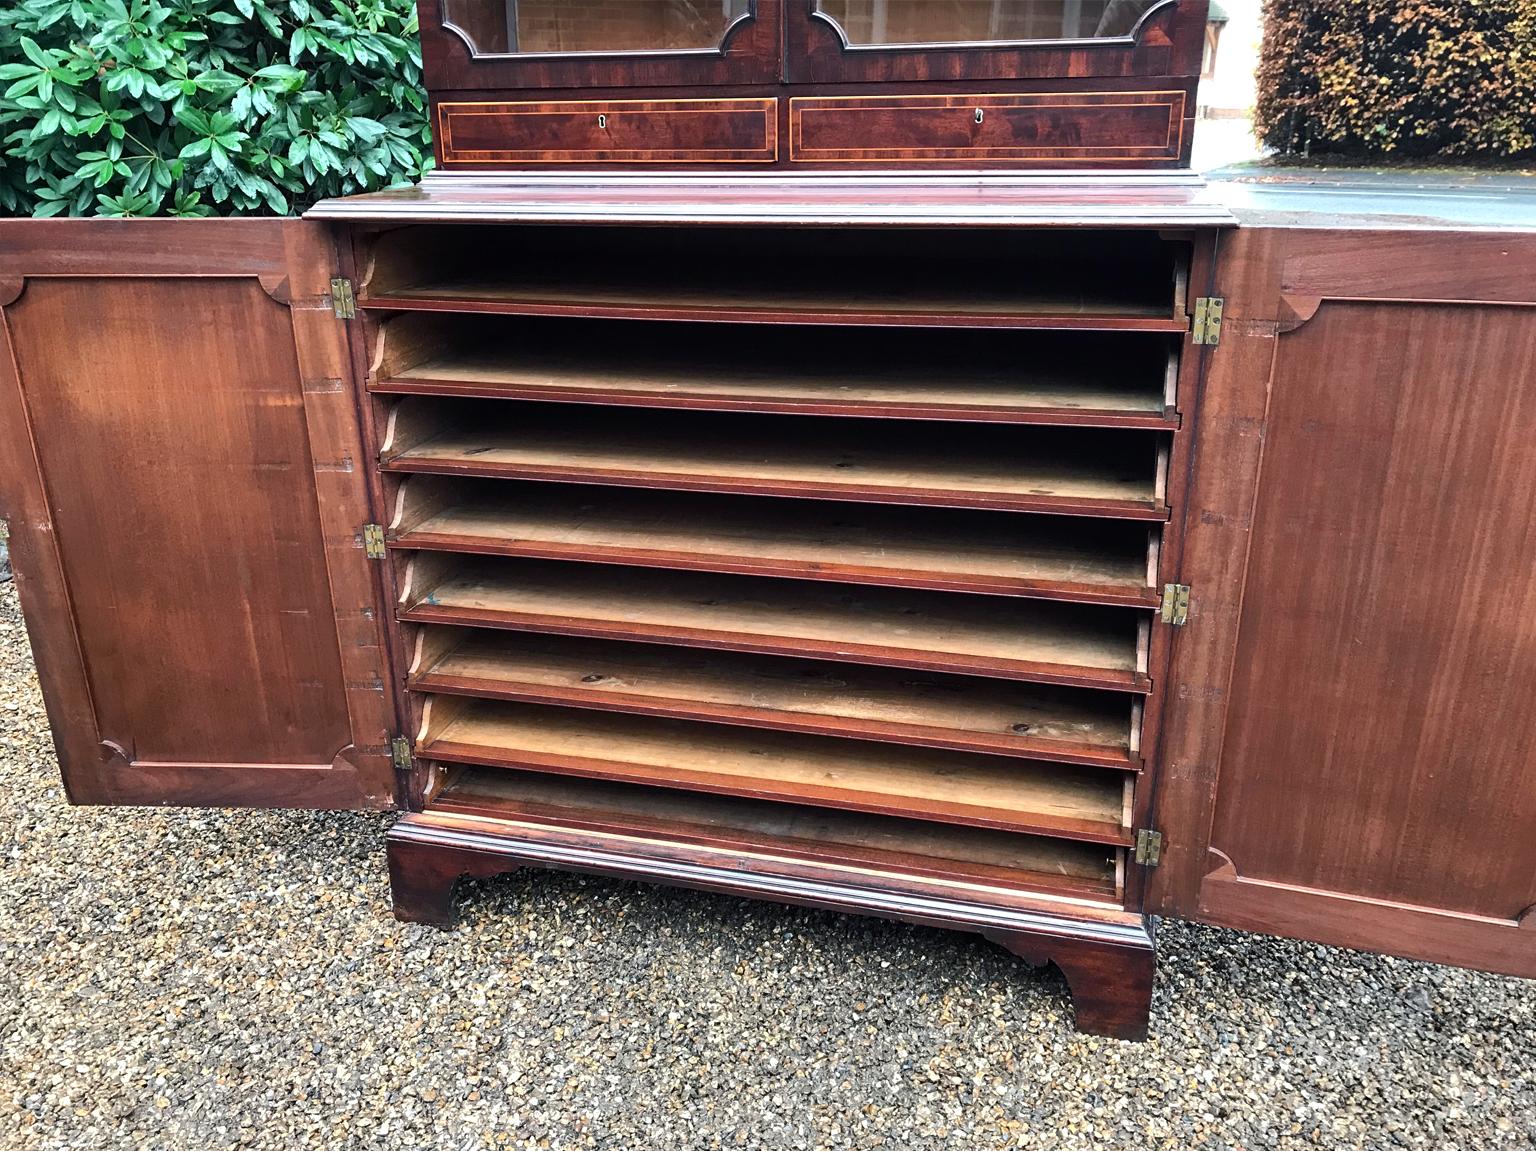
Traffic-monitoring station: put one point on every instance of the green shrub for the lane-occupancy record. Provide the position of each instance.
(203, 107)
(1409, 78)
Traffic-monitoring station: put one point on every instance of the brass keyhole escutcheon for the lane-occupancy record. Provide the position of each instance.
(602, 120)
(980, 115)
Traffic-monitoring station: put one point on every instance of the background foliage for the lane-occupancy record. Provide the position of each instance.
(1409, 78)
(203, 107)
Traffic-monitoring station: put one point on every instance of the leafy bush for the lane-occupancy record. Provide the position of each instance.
(1410, 78)
(202, 107)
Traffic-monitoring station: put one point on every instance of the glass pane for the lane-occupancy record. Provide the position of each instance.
(496, 27)
(979, 21)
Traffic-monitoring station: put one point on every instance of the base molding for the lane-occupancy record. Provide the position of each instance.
(1107, 954)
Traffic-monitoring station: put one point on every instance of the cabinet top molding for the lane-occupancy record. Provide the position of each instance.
(1273, 198)
(975, 199)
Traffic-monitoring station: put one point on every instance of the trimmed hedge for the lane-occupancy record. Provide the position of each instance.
(204, 107)
(1399, 78)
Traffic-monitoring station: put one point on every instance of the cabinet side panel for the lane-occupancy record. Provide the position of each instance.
(183, 481)
(170, 432)
(1346, 757)
(1383, 710)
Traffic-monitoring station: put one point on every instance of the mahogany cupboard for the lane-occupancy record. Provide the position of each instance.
(1031, 556)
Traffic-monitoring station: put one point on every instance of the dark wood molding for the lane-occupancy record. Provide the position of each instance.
(11, 288)
(1107, 956)
(1137, 200)
(277, 287)
(1296, 310)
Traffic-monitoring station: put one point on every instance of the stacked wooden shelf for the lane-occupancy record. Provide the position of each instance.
(997, 863)
(1091, 561)
(861, 561)
(871, 703)
(1116, 380)
(1012, 279)
(1076, 471)
(1084, 803)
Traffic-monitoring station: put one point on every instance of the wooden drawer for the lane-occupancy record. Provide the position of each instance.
(1049, 127)
(609, 132)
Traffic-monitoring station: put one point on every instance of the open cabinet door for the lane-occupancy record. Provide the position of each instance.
(182, 473)
(1350, 754)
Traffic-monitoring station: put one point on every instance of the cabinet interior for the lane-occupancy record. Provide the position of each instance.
(849, 538)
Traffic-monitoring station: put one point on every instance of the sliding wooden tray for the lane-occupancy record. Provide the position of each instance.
(1068, 725)
(1046, 557)
(1058, 800)
(1098, 379)
(1072, 644)
(1068, 471)
(962, 856)
(1099, 281)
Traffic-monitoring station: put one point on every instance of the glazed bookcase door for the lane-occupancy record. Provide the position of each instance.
(840, 41)
(1347, 752)
(182, 476)
(470, 45)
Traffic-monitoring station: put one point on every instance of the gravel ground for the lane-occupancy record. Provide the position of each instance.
(184, 979)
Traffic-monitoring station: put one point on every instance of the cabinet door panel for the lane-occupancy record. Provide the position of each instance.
(183, 480)
(476, 45)
(1366, 779)
(841, 41)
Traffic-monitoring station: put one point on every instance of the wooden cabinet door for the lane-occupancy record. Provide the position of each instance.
(182, 474)
(578, 45)
(1350, 754)
(877, 41)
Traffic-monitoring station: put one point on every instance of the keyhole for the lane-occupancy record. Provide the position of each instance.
(980, 115)
(602, 120)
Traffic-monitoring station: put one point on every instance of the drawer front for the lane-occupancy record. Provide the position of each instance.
(1047, 127)
(609, 132)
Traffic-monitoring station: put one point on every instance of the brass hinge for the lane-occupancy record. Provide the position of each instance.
(1176, 604)
(1208, 311)
(373, 541)
(1149, 847)
(343, 302)
(400, 753)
